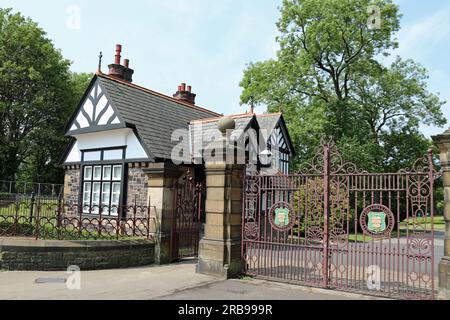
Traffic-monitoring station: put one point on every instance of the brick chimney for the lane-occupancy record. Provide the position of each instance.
(185, 94)
(116, 70)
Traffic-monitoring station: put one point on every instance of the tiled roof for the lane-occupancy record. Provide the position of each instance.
(155, 115)
(204, 131)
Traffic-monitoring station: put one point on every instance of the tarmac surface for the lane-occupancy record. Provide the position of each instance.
(169, 282)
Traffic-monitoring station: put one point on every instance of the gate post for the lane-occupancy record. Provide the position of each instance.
(443, 142)
(220, 247)
(161, 177)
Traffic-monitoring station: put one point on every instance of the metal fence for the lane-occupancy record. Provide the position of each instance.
(42, 219)
(28, 188)
(334, 226)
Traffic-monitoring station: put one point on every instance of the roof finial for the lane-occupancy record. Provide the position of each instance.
(100, 56)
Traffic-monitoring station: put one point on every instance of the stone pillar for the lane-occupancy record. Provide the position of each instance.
(161, 178)
(220, 247)
(443, 142)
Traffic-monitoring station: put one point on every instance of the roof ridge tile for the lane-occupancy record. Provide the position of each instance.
(158, 94)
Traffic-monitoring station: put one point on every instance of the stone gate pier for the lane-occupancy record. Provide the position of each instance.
(220, 248)
(443, 142)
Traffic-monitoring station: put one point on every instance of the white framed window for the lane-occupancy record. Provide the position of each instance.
(86, 196)
(95, 197)
(102, 183)
(97, 173)
(102, 187)
(117, 173)
(87, 173)
(106, 175)
(106, 197)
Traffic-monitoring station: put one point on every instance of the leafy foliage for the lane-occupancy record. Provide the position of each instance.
(37, 95)
(327, 81)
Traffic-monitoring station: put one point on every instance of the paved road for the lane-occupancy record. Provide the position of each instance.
(176, 281)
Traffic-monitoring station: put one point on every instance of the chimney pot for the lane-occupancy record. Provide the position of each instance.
(185, 95)
(118, 51)
(116, 70)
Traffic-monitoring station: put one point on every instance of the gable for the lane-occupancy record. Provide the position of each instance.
(285, 132)
(276, 133)
(111, 139)
(96, 112)
(278, 140)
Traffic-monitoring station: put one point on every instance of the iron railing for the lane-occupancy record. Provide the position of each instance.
(60, 221)
(28, 188)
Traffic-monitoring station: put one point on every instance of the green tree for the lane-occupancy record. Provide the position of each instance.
(42, 164)
(328, 81)
(37, 95)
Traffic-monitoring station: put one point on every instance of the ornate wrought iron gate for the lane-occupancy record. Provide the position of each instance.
(334, 226)
(187, 205)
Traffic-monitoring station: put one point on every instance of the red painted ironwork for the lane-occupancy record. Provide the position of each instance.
(60, 221)
(186, 214)
(352, 230)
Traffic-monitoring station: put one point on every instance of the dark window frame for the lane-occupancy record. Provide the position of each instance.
(102, 163)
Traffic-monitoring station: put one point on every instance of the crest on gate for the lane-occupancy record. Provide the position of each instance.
(377, 220)
(281, 216)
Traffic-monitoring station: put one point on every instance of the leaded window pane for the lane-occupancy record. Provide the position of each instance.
(106, 173)
(88, 173)
(117, 173)
(97, 172)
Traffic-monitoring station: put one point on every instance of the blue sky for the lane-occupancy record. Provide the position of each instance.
(208, 43)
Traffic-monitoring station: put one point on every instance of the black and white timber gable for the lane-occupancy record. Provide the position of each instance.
(117, 114)
(96, 113)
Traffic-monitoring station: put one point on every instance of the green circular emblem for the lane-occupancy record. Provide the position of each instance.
(377, 220)
(281, 216)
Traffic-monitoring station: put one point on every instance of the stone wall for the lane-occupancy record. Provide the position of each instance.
(53, 255)
(71, 186)
(137, 187)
